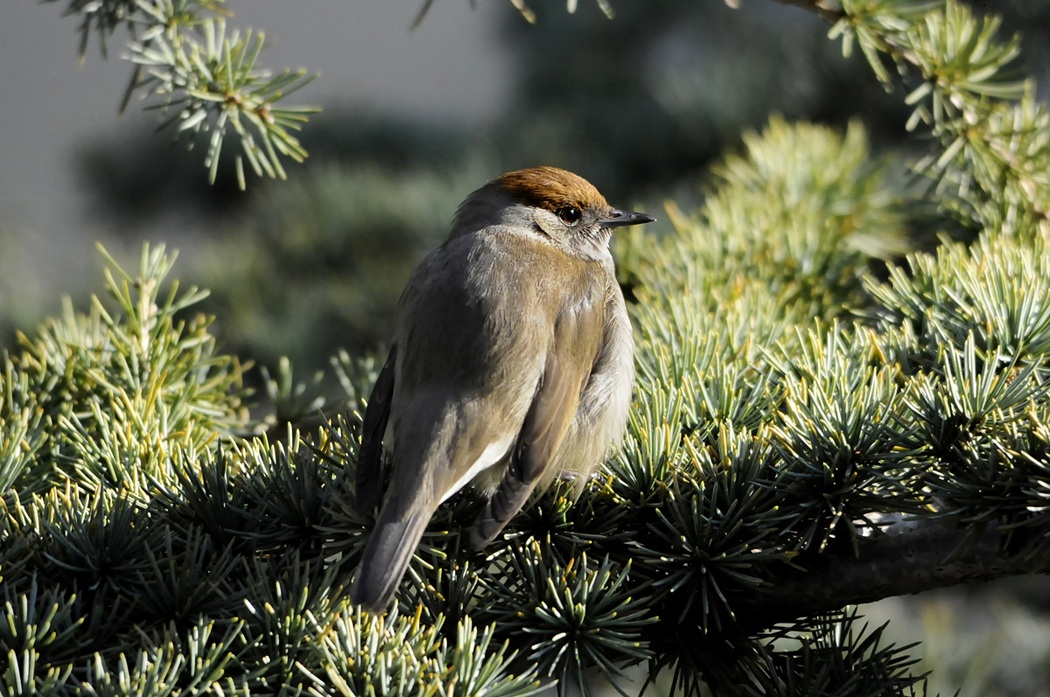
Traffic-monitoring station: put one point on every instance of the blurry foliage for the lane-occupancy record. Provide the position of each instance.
(326, 257)
(997, 646)
(137, 177)
(656, 94)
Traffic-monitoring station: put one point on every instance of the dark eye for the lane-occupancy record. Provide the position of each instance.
(569, 214)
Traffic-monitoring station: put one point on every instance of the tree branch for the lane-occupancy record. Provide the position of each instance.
(909, 559)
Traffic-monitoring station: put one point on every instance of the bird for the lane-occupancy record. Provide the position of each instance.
(511, 365)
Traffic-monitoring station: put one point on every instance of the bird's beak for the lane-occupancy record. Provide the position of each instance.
(623, 218)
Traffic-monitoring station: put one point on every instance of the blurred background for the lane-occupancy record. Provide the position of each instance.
(413, 121)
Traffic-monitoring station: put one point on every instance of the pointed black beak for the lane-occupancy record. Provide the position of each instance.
(623, 218)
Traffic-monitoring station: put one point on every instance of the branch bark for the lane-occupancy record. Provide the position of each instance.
(919, 557)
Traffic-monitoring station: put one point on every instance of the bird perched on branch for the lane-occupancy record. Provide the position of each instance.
(512, 364)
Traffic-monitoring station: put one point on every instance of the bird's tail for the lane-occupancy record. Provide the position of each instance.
(387, 555)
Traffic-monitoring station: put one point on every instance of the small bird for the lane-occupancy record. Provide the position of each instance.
(512, 364)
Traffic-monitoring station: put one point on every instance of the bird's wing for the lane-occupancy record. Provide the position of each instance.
(577, 339)
(369, 476)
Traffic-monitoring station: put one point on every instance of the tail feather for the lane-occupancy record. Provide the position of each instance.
(386, 557)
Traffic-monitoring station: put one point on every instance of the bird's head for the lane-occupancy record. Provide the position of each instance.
(555, 205)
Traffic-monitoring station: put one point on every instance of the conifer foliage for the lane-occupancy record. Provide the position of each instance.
(818, 421)
(205, 79)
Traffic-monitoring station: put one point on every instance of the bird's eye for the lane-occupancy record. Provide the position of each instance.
(569, 214)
